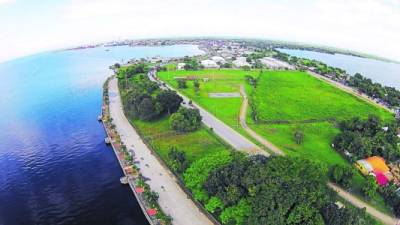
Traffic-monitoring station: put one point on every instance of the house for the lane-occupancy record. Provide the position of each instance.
(218, 59)
(180, 66)
(240, 62)
(209, 64)
(376, 167)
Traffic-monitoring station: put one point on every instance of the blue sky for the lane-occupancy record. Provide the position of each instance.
(370, 26)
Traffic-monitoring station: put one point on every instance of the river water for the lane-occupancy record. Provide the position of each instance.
(54, 165)
(386, 73)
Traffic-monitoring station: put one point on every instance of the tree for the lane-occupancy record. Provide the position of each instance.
(151, 196)
(298, 136)
(169, 100)
(196, 175)
(196, 85)
(214, 204)
(182, 83)
(236, 214)
(348, 215)
(342, 175)
(147, 110)
(370, 187)
(178, 160)
(185, 120)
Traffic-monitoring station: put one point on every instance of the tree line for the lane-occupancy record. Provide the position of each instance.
(240, 189)
(389, 95)
(371, 137)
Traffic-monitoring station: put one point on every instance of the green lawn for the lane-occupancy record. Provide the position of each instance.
(285, 96)
(195, 144)
(297, 96)
(226, 109)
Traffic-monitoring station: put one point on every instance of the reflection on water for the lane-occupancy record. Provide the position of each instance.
(54, 166)
(382, 72)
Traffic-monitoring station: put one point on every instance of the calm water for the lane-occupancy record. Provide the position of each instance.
(382, 72)
(54, 166)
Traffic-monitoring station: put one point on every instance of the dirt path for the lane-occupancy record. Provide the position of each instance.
(242, 120)
(384, 218)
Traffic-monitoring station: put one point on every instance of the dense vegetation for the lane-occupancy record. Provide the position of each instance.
(143, 99)
(387, 94)
(363, 138)
(360, 139)
(311, 138)
(185, 120)
(255, 190)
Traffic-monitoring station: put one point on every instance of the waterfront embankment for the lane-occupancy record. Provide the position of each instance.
(172, 199)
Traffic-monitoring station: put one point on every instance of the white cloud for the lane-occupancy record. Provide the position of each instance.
(364, 25)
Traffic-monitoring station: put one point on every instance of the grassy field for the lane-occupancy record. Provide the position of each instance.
(299, 100)
(226, 109)
(195, 144)
(297, 96)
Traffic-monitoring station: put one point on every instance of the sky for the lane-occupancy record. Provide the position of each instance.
(31, 26)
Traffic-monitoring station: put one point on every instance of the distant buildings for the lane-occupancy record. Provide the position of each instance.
(240, 62)
(180, 66)
(218, 59)
(209, 64)
(275, 64)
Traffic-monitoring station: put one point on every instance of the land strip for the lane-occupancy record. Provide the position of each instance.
(172, 199)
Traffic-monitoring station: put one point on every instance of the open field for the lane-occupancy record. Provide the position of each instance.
(195, 144)
(299, 100)
(220, 81)
(297, 96)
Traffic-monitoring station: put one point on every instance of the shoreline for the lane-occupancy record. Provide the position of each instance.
(173, 200)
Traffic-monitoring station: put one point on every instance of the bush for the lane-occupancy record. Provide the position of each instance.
(298, 136)
(178, 160)
(369, 189)
(341, 175)
(182, 83)
(185, 120)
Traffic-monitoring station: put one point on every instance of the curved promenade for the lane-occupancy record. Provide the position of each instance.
(172, 199)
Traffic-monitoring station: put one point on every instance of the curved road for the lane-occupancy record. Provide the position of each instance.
(224, 131)
(172, 199)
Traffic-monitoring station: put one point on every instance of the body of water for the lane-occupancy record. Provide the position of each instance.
(54, 165)
(382, 72)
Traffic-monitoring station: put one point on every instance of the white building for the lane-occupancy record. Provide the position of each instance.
(180, 66)
(240, 62)
(218, 59)
(209, 64)
(275, 64)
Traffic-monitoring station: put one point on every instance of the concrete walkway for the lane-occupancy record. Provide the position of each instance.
(172, 199)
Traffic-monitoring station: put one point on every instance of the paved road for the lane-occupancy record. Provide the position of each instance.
(224, 131)
(173, 200)
(384, 218)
